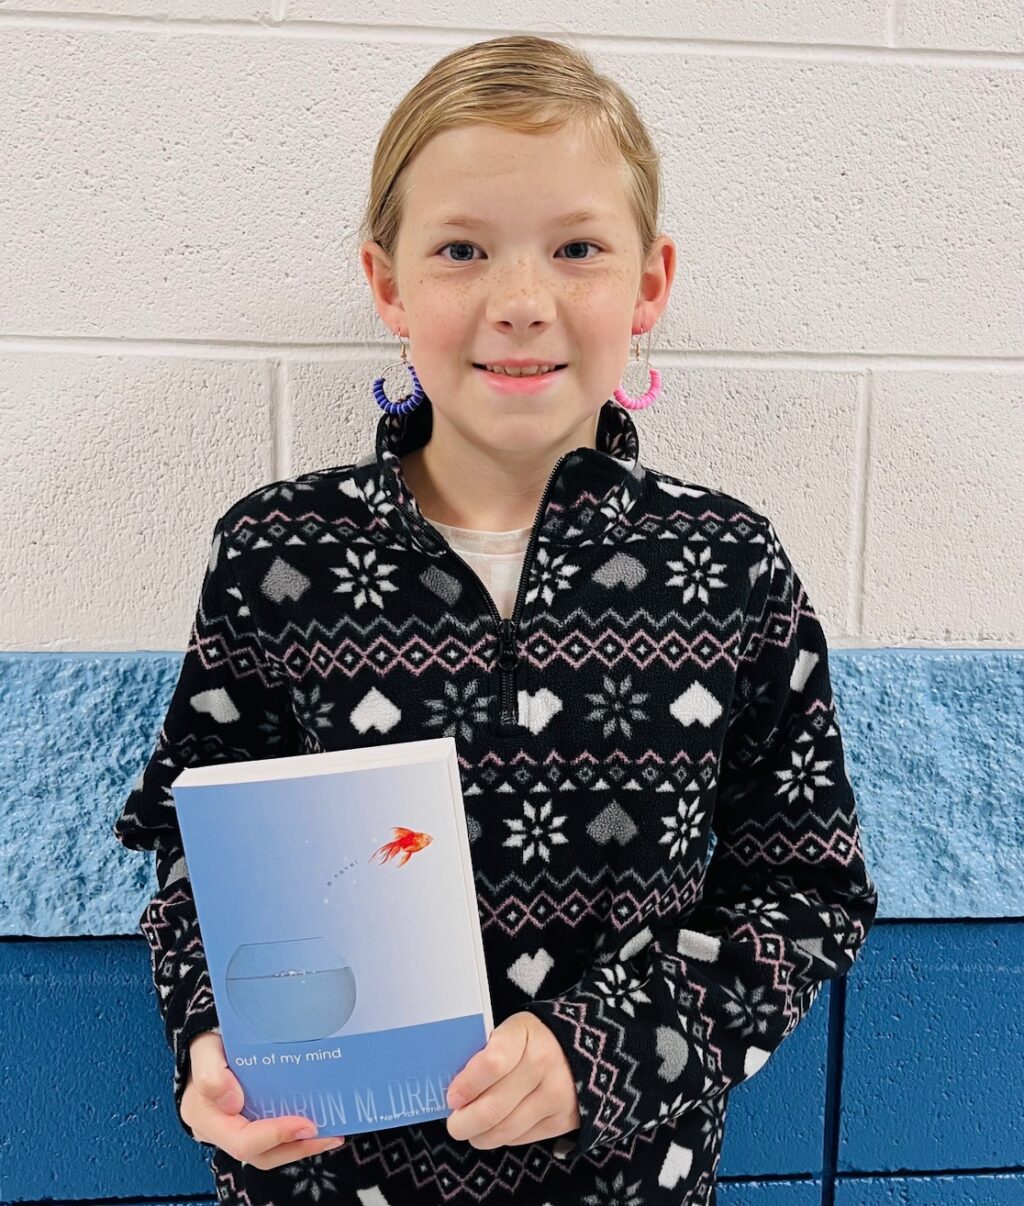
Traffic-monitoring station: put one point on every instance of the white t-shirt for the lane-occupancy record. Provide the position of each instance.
(497, 557)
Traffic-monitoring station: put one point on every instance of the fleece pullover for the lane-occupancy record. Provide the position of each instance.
(665, 842)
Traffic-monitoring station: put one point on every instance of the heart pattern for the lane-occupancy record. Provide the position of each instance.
(375, 711)
(528, 971)
(537, 709)
(696, 705)
(676, 1166)
(621, 570)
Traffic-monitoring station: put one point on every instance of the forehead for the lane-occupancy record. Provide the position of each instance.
(499, 174)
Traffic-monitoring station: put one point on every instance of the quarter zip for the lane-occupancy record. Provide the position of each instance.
(506, 629)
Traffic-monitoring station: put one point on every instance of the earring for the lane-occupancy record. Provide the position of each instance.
(654, 386)
(406, 403)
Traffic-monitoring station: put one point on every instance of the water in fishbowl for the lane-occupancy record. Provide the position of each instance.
(293, 991)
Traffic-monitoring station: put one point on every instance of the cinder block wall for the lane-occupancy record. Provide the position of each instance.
(184, 318)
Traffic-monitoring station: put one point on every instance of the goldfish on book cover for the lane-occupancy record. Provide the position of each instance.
(337, 913)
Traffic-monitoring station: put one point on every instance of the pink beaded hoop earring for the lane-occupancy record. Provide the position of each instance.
(654, 385)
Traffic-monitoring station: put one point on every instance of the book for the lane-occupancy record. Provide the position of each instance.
(338, 912)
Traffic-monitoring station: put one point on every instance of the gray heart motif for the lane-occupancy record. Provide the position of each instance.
(621, 570)
(284, 581)
(528, 971)
(612, 824)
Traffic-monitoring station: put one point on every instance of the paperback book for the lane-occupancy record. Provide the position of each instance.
(338, 913)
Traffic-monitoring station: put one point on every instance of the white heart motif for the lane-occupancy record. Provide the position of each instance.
(676, 1166)
(805, 663)
(696, 704)
(528, 971)
(536, 710)
(216, 703)
(375, 711)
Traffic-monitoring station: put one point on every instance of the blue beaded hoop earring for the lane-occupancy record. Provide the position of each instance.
(406, 403)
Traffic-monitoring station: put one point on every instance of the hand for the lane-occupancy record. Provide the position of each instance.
(518, 1089)
(212, 1105)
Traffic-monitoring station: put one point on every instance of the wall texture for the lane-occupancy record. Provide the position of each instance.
(183, 317)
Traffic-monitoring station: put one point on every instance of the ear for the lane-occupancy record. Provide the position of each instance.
(655, 283)
(380, 272)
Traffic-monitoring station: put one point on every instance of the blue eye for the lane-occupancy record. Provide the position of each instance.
(574, 243)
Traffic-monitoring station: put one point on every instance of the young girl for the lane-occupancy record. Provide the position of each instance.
(665, 841)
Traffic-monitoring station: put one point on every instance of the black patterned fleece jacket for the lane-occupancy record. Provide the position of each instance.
(665, 842)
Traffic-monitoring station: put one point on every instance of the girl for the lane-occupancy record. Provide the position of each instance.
(665, 842)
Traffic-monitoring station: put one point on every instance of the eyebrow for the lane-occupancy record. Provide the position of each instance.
(571, 219)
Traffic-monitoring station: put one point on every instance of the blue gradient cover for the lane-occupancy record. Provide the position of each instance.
(339, 918)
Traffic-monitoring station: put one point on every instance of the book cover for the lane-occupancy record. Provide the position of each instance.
(338, 913)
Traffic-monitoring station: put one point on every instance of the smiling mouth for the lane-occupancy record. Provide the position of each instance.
(557, 368)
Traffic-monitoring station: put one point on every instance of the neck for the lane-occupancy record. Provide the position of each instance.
(468, 485)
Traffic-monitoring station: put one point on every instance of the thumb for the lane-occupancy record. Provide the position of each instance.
(226, 1093)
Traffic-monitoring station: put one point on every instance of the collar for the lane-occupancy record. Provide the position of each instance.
(590, 492)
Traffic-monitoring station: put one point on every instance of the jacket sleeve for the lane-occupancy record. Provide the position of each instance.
(690, 1004)
(228, 705)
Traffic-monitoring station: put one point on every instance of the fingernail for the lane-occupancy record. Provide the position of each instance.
(456, 1101)
(307, 1132)
(336, 1143)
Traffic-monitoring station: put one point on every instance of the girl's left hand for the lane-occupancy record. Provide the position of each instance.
(518, 1089)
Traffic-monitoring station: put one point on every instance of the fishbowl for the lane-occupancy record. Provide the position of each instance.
(292, 991)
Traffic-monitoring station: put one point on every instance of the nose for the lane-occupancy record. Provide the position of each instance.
(521, 300)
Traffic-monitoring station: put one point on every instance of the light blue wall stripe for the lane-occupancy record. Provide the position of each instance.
(934, 742)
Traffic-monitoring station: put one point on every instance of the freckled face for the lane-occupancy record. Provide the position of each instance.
(519, 285)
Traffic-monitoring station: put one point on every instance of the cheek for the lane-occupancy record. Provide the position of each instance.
(442, 318)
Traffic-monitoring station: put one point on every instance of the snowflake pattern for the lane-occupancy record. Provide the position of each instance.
(616, 507)
(749, 700)
(459, 710)
(311, 710)
(550, 570)
(617, 706)
(769, 911)
(620, 989)
(312, 1179)
(713, 1127)
(684, 825)
(748, 1011)
(614, 1192)
(364, 579)
(372, 493)
(803, 773)
(669, 1111)
(696, 574)
(536, 833)
(273, 727)
(781, 886)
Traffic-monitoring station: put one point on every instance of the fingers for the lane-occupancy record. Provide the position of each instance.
(212, 1106)
(266, 1143)
(504, 1110)
(271, 1142)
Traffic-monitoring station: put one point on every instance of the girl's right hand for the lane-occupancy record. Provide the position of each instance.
(212, 1103)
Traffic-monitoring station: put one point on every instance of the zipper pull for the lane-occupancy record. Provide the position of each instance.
(508, 657)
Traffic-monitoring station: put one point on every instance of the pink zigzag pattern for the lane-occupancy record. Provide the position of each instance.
(610, 647)
(515, 1165)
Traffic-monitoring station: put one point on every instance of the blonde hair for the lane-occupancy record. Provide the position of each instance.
(526, 83)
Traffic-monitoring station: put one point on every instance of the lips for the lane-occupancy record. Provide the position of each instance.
(556, 369)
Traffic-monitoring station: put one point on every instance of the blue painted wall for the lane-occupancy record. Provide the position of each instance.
(903, 1085)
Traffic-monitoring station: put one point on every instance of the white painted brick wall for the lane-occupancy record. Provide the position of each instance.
(183, 315)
